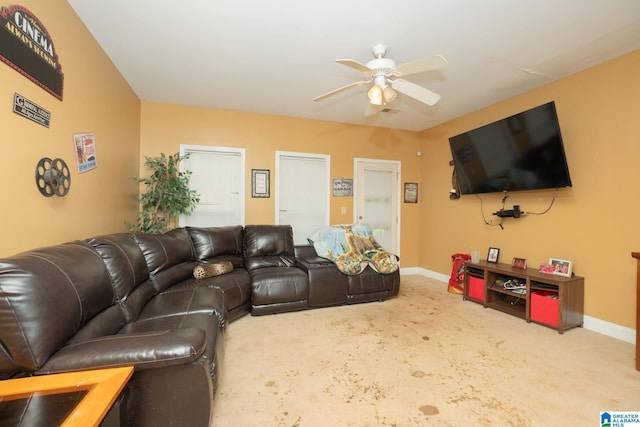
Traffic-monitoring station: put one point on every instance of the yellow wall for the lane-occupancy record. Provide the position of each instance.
(164, 127)
(96, 99)
(594, 224)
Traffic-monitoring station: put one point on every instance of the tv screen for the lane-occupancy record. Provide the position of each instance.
(521, 152)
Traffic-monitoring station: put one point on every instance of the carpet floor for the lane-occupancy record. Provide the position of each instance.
(425, 358)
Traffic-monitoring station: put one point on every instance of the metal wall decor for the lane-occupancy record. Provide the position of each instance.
(53, 177)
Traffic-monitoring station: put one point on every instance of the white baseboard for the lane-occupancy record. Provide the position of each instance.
(424, 272)
(612, 330)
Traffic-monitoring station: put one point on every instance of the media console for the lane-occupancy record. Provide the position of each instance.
(548, 299)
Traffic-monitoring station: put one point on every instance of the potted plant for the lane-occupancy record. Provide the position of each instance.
(167, 195)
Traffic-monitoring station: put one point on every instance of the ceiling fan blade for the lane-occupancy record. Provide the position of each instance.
(356, 65)
(416, 92)
(420, 65)
(342, 89)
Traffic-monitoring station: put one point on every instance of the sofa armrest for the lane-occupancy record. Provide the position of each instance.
(304, 251)
(141, 350)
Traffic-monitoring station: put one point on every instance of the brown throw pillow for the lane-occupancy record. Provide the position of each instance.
(202, 271)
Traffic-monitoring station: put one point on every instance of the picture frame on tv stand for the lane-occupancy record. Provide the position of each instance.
(493, 254)
(561, 267)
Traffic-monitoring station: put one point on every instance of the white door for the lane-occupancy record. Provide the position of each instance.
(217, 175)
(302, 192)
(376, 200)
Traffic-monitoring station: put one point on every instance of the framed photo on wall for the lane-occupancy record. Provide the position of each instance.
(561, 267)
(342, 187)
(260, 183)
(411, 192)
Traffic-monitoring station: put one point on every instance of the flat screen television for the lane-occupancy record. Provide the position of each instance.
(520, 152)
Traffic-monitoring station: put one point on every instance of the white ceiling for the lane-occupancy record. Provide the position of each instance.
(275, 56)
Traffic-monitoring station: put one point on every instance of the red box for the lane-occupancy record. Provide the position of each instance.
(544, 307)
(476, 288)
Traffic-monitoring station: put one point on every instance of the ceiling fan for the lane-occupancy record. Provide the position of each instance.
(384, 73)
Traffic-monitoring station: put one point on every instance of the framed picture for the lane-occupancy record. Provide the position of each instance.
(342, 187)
(519, 263)
(561, 267)
(493, 254)
(411, 192)
(85, 148)
(260, 183)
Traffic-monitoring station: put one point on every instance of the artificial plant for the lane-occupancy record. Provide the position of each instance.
(167, 194)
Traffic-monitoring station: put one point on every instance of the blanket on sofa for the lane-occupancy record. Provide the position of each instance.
(352, 248)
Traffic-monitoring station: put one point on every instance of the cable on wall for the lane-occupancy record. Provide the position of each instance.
(454, 192)
(547, 209)
(484, 218)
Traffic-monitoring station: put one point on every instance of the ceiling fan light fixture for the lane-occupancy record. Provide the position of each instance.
(375, 95)
(389, 94)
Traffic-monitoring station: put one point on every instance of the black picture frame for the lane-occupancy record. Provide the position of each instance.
(260, 185)
(493, 254)
(411, 192)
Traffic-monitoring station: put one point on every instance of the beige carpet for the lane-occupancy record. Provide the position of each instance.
(425, 358)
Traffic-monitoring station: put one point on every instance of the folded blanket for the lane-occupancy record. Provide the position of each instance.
(352, 248)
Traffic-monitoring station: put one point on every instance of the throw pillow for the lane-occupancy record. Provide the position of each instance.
(202, 271)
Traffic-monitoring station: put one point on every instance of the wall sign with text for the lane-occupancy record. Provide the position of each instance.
(342, 187)
(26, 46)
(30, 110)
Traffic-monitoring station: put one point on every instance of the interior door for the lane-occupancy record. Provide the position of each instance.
(217, 175)
(376, 200)
(302, 192)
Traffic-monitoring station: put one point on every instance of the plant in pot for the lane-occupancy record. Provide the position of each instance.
(167, 195)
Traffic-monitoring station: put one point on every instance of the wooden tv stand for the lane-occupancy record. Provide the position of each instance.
(551, 300)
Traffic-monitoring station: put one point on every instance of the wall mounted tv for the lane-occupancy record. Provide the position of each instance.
(521, 152)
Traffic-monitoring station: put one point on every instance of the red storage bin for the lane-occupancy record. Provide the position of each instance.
(544, 308)
(476, 288)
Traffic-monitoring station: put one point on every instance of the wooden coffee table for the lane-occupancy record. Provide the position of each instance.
(88, 394)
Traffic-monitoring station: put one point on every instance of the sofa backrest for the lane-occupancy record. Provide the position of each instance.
(216, 244)
(128, 271)
(46, 296)
(268, 246)
(169, 257)
(8, 367)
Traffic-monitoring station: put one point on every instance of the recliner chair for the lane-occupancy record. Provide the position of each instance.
(277, 285)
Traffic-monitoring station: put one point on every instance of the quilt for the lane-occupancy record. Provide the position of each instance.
(352, 248)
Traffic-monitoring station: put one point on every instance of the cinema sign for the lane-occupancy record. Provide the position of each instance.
(26, 46)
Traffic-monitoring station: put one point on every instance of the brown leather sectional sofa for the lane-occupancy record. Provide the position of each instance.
(132, 300)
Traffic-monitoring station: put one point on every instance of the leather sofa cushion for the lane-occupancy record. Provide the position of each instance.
(50, 293)
(124, 260)
(268, 246)
(236, 287)
(162, 251)
(7, 366)
(128, 270)
(278, 285)
(217, 244)
(370, 281)
(168, 257)
(209, 301)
